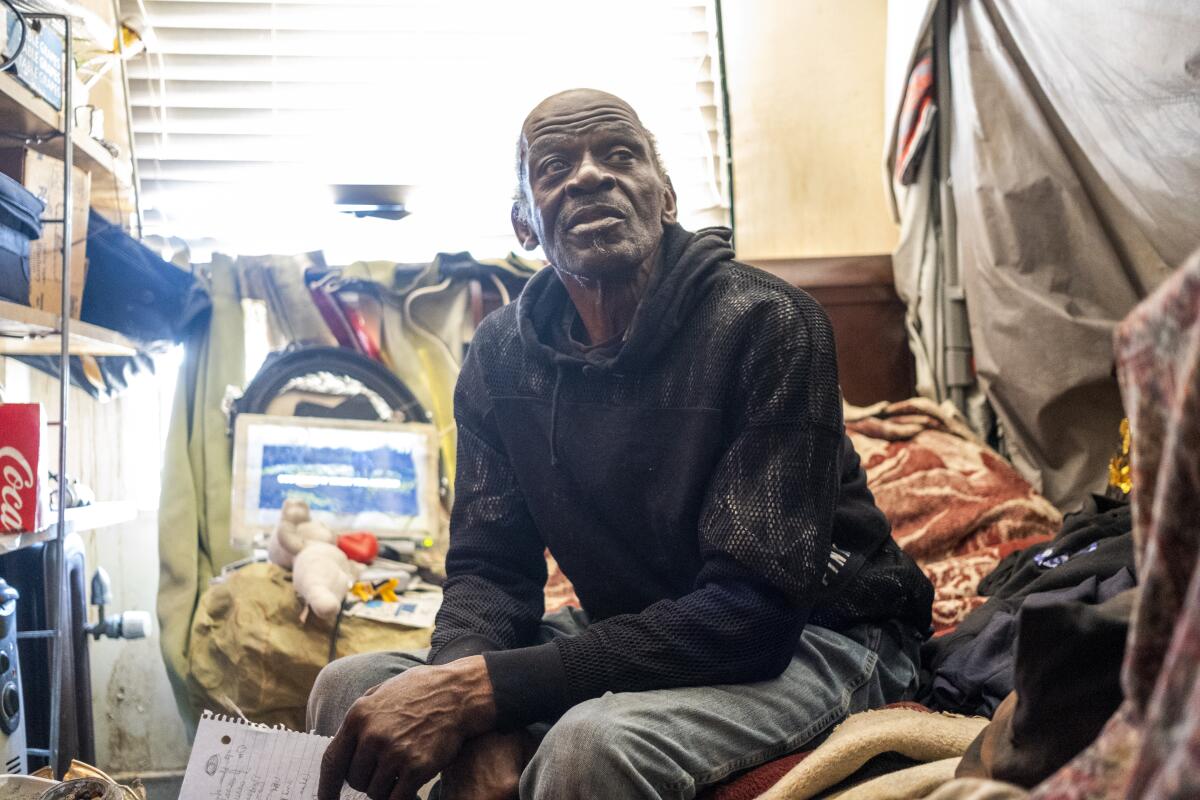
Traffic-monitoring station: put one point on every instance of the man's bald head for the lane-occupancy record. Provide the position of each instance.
(592, 191)
(563, 111)
(560, 110)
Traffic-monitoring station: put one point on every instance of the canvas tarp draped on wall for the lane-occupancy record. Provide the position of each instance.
(1074, 156)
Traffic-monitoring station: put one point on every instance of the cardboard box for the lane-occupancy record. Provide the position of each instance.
(22, 467)
(43, 175)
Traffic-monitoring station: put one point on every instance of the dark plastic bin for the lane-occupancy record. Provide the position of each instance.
(20, 223)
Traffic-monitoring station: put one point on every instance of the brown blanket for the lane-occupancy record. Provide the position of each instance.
(956, 506)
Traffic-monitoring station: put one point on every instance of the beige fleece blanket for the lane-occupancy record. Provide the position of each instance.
(919, 735)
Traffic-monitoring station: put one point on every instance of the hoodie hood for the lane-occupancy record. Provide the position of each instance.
(689, 262)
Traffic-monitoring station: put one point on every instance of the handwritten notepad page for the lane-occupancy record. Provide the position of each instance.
(236, 760)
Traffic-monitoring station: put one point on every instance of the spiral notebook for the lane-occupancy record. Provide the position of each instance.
(238, 759)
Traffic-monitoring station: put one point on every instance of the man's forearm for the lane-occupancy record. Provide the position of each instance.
(496, 570)
(479, 615)
(463, 646)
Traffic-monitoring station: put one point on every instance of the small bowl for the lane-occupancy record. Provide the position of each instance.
(84, 789)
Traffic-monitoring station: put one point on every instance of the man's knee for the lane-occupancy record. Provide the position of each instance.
(586, 735)
(343, 681)
(599, 750)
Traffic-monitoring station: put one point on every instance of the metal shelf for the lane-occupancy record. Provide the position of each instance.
(83, 518)
(24, 113)
(16, 541)
(100, 515)
(26, 331)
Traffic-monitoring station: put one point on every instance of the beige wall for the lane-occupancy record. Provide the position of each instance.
(806, 95)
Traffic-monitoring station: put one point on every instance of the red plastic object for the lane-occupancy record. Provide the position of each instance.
(358, 326)
(359, 546)
(22, 467)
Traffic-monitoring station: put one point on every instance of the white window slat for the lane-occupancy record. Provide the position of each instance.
(246, 105)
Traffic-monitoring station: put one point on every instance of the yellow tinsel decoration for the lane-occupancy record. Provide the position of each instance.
(1120, 474)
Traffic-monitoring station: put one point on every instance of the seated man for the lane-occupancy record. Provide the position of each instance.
(668, 423)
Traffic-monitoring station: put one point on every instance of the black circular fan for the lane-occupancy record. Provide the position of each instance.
(328, 382)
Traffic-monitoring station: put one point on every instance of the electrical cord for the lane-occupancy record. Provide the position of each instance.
(25, 138)
(20, 42)
(333, 636)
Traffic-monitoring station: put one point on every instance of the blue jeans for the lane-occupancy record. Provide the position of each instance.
(671, 743)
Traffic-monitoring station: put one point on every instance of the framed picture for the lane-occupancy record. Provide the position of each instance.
(379, 477)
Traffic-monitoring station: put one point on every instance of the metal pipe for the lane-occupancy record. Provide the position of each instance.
(36, 634)
(726, 114)
(56, 592)
(955, 357)
(64, 400)
(137, 184)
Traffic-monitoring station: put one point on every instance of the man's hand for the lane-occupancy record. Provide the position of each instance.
(406, 729)
(488, 767)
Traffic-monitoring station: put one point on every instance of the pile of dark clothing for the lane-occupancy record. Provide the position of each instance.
(1052, 634)
(970, 670)
(129, 289)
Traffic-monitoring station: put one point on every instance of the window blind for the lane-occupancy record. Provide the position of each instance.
(246, 113)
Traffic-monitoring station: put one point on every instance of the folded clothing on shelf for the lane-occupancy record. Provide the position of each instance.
(131, 290)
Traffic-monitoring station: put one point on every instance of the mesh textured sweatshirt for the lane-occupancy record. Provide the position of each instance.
(695, 483)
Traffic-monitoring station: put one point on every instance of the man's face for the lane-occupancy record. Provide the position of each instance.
(597, 203)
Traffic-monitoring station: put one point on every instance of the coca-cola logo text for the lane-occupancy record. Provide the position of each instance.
(16, 476)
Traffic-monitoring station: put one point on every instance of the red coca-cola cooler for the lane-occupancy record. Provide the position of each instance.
(23, 464)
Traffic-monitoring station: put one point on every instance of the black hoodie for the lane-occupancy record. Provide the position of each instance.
(694, 482)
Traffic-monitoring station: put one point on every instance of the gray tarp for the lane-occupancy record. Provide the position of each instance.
(1075, 163)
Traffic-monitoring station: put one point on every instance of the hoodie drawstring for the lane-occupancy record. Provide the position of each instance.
(554, 416)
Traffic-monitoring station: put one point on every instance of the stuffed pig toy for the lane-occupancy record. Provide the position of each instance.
(321, 575)
(296, 528)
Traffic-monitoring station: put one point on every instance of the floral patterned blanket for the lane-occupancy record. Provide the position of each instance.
(956, 506)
